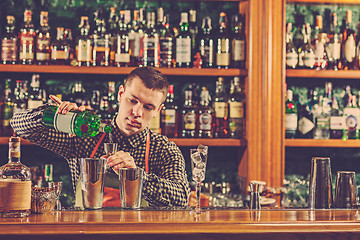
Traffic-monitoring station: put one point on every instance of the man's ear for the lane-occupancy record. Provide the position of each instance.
(121, 91)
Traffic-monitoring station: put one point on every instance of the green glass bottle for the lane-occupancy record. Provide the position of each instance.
(82, 124)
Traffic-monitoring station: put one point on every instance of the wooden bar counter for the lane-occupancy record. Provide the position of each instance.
(178, 224)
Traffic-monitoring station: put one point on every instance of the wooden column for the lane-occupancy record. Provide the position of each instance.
(264, 157)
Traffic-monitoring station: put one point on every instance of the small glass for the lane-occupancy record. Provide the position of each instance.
(57, 186)
(198, 164)
(110, 149)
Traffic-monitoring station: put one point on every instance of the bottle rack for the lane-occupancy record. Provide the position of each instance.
(60, 69)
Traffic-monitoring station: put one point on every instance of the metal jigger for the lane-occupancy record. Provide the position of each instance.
(254, 196)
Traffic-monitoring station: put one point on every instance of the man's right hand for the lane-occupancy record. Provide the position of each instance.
(65, 106)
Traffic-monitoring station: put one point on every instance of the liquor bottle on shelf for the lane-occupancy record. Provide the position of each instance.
(166, 44)
(113, 103)
(48, 175)
(193, 29)
(113, 27)
(306, 52)
(122, 45)
(43, 39)
(333, 47)
(15, 184)
(136, 33)
(351, 119)
(305, 128)
(70, 42)
(319, 41)
(206, 45)
(81, 124)
(35, 98)
(95, 101)
(205, 116)
(238, 42)
(27, 40)
(7, 109)
(104, 111)
(20, 103)
(188, 114)
(159, 26)
(77, 93)
(84, 44)
(348, 44)
(291, 117)
(169, 116)
(183, 43)
(151, 49)
(223, 51)
(221, 110)
(237, 110)
(292, 57)
(336, 120)
(322, 119)
(9, 42)
(101, 44)
(60, 50)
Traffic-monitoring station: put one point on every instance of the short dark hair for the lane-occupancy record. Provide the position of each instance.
(152, 78)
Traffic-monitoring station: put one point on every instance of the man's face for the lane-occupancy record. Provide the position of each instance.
(138, 105)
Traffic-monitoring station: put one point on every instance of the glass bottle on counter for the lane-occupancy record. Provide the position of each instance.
(169, 116)
(291, 117)
(27, 40)
(7, 109)
(205, 116)
(101, 44)
(150, 41)
(237, 110)
(223, 43)
(188, 114)
(238, 42)
(292, 57)
(122, 45)
(348, 44)
(333, 47)
(84, 43)
(15, 184)
(221, 110)
(81, 124)
(43, 41)
(9, 42)
(206, 45)
(60, 49)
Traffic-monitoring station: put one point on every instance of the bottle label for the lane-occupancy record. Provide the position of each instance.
(220, 109)
(170, 116)
(84, 50)
(333, 50)
(350, 49)
(154, 124)
(58, 54)
(183, 50)
(223, 59)
(190, 121)
(15, 195)
(322, 122)
(292, 59)
(122, 57)
(309, 59)
(26, 50)
(101, 44)
(135, 43)
(205, 120)
(319, 51)
(238, 50)
(305, 125)
(65, 123)
(337, 123)
(43, 49)
(207, 51)
(9, 50)
(34, 103)
(236, 109)
(291, 121)
(41, 56)
(352, 116)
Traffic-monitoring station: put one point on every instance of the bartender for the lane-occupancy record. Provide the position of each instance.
(140, 99)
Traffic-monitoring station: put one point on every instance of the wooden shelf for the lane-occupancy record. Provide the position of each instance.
(309, 73)
(182, 142)
(325, 1)
(120, 70)
(321, 143)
